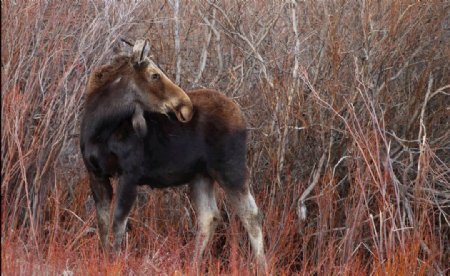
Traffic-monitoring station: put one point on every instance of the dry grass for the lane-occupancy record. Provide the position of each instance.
(348, 111)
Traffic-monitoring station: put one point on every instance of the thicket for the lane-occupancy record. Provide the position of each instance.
(347, 104)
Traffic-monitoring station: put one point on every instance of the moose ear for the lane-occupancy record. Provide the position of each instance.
(122, 47)
(125, 41)
(140, 51)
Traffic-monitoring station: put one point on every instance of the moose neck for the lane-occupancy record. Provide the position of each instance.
(108, 109)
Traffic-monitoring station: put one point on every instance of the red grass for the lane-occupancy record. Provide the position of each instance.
(347, 114)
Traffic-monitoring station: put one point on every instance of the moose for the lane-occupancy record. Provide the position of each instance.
(142, 128)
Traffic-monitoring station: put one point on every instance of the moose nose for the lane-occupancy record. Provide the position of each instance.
(184, 112)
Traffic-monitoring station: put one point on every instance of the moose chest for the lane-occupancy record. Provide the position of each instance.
(170, 154)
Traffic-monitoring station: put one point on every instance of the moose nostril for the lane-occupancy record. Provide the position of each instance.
(184, 113)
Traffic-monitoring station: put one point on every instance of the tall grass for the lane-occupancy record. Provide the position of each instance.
(347, 104)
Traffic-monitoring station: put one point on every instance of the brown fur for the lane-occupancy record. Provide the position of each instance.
(105, 74)
(218, 108)
(161, 94)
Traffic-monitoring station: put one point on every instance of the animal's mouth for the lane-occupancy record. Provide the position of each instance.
(184, 113)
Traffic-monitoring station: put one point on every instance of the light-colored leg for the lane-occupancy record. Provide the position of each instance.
(102, 193)
(204, 199)
(251, 218)
(103, 224)
(125, 197)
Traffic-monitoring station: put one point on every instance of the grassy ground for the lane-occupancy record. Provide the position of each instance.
(347, 104)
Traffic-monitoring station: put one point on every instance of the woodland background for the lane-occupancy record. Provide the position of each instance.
(347, 103)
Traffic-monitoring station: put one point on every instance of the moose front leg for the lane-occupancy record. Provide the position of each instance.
(126, 195)
(102, 193)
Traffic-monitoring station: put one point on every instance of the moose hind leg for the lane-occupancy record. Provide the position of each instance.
(202, 194)
(251, 218)
(102, 193)
(126, 195)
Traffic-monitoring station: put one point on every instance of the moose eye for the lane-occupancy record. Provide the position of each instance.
(155, 76)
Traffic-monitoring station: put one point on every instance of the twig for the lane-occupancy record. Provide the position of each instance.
(175, 4)
(422, 137)
(301, 207)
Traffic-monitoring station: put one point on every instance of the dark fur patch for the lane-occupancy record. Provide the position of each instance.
(170, 153)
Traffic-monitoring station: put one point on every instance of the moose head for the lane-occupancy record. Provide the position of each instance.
(158, 93)
(132, 82)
